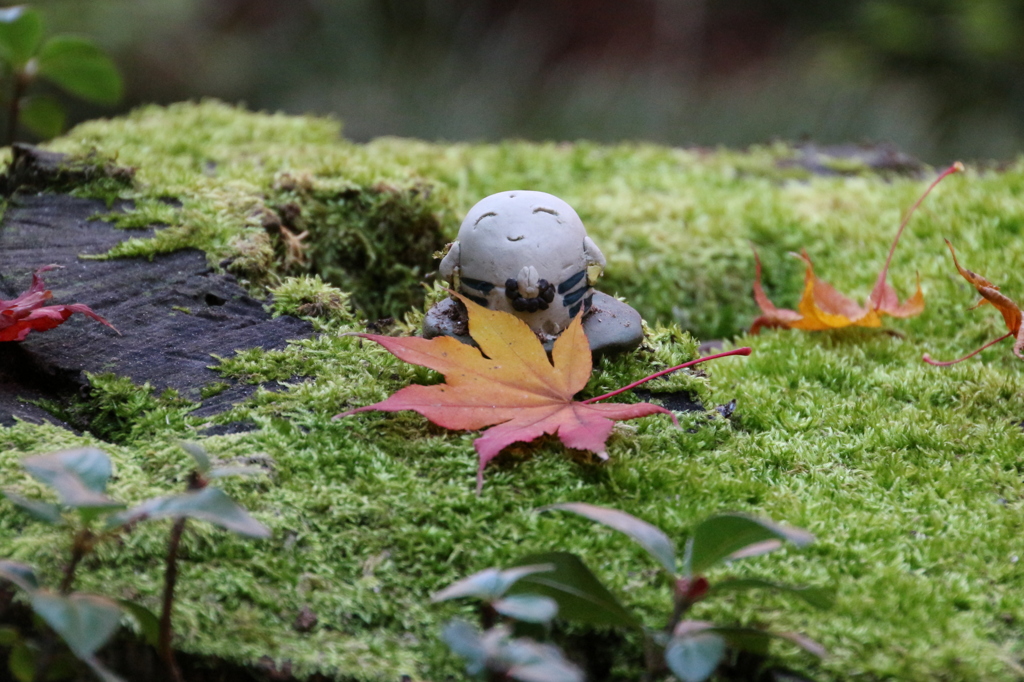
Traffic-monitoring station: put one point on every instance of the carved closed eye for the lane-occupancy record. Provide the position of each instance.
(545, 209)
(485, 215)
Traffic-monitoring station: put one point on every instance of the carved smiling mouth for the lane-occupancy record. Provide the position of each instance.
(515, 239)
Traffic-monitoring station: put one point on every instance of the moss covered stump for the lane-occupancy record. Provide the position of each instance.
(910, 476)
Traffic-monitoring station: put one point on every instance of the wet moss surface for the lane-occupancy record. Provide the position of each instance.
(909, 475)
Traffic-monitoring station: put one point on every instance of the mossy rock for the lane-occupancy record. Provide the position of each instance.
(909, 475)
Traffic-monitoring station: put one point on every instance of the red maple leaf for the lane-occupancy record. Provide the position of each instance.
(26, 313)
(509, 384)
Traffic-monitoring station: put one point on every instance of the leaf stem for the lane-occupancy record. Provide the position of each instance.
(79, 548)
(938, 363)
(488, 616)
(955, 168)
(166, 631)
(170, 579)
(654, 660)
(746, 350)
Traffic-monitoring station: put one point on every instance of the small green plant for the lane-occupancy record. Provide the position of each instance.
(200, 501)
(79, 477)
(492, 648)
(74, 64)
(86, 622)
(691, 650)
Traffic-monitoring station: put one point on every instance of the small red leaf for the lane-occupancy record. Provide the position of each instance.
(990, 294)
(26, 313)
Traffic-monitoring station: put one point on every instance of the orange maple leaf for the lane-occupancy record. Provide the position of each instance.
(822, 307)
(509, 384)
(990, 294)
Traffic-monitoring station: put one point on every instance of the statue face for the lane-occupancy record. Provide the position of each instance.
(511, 230)
(526, 253)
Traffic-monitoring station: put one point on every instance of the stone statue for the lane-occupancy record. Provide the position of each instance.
(528, 253)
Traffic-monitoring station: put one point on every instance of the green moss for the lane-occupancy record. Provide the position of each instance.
(242, 178)
(85, 173)
(376, 243)
(314, 299)
(216, 388)
(909, 475)
(114, 409)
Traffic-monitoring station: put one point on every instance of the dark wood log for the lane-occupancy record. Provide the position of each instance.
(147, 301)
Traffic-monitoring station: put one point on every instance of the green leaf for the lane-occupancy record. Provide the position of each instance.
(727, 536)
(79, 476)
(9, 636)
(209, 504)
(91, 465)
(802, 641)
(553, 668)
(647, 536)
(694, 657)
(84, 621)
(528, 608)
(146, 620)
(198, 453)
(22, 663)
(43, 115)
(818, 597)
(488, 584)
(21, 29)
(44, 511)
(481, 585)
(464, 640)
(757, 641)
(526, 660)
(580, 596)
(81, 68)
(19, 574)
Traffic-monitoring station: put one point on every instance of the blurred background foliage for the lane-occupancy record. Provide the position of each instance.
(941, 79)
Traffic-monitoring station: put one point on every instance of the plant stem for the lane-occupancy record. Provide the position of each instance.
(679, 609)
(938, 363)
(955, 168)
(488, 616)
(654, 661)
(14, 107)
(739, 351)
(79, 547)
(170, 578)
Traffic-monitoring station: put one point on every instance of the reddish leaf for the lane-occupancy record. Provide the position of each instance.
(822, 307)
(990, 294)
(27, 313)
(509, 384)
(770, 315)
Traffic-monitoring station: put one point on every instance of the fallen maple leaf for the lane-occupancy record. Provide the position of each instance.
(822, 307)
(26, 313)
(990, 294)
(508, 383)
